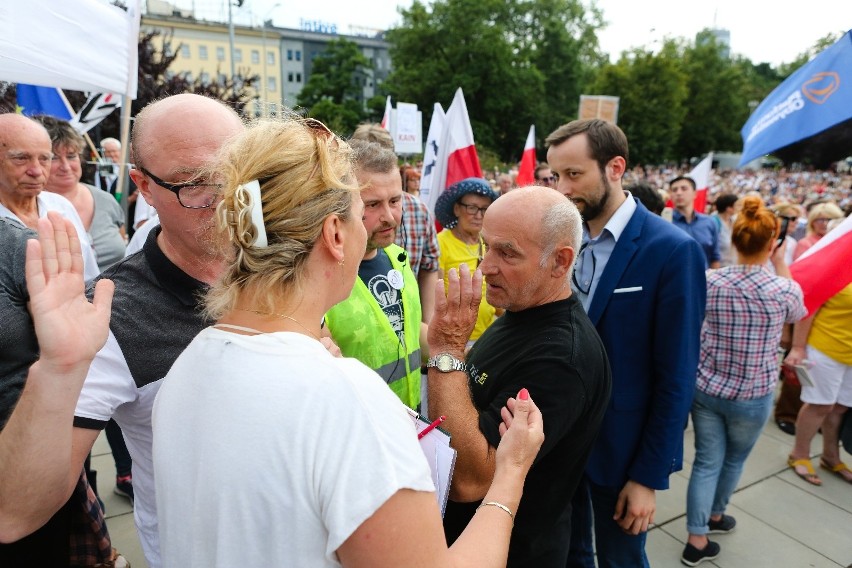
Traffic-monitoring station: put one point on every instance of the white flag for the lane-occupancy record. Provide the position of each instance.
(97, 108)
(54, 43)
(429, 191)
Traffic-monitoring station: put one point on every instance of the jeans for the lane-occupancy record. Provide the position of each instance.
(725, 433)
(595, 505)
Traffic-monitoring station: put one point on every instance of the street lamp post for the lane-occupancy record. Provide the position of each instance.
(231, 37)
(265, 83)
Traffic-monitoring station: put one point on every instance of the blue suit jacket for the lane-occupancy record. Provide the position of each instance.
(648, 308)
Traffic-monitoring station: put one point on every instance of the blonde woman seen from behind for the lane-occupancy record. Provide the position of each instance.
(270, 451)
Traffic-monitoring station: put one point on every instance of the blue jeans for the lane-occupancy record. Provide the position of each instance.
(594, 505)
(725, 433)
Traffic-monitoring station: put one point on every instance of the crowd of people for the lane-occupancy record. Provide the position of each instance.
(290, 302)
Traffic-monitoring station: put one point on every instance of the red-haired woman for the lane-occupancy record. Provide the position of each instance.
(747, 306)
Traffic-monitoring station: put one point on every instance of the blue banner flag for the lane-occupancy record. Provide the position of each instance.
(814, 98)
(33, 100)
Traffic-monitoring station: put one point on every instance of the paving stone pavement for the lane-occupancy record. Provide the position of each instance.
(782, 522)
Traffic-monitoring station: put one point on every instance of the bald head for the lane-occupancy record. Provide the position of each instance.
(182, 120)
(176, 140)
(529, 201)
(25, 151)
(530, 248)
(13, 126)
(557, 218)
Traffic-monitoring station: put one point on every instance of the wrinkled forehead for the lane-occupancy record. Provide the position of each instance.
(24, 137)
(185, 135)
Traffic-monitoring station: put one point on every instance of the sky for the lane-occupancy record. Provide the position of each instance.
(773, 32)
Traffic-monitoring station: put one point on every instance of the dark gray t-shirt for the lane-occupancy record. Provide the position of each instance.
(18, 344)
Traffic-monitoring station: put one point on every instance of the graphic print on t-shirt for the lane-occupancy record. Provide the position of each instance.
(374, 273)
(389, 299)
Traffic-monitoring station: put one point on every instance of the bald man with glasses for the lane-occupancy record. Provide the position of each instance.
(156, 309)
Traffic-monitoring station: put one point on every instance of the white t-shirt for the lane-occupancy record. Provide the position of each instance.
(47, 201)
(143, 211)
(268, 451)
(137, 241)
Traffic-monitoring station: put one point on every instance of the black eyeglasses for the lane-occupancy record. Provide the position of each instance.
(588, 288)
(190, 194)
(473, 209)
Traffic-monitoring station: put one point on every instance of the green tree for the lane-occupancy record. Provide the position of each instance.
(333, 92)
(787, 69)
(519, 62)
(718, 104)
(652, 91)
(558, 38)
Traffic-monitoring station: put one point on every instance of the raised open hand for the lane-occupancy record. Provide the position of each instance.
(70, 330)
(455, 311)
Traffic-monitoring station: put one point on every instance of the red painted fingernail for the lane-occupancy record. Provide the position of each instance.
(524, 394)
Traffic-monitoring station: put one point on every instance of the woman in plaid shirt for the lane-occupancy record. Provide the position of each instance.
(747, 307)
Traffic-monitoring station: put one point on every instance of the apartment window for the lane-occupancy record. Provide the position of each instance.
(202, 52)
(238, 54)
(205, 78)
(298, 77)
(255, 56)
(189, 76)
(289, 55)
(289, 77)
(184, 51)
(271, 84)
(167, 50)
(221, 79)
(298, 55)
(270, 58)
(220, 54)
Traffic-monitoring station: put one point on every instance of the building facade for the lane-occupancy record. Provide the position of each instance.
(282, 57)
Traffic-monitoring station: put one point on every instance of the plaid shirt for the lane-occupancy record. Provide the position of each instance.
(747, 307)
(89, 539)
(418, 236)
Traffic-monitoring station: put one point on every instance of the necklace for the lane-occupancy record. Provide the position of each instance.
(282, 316)
(473, 249)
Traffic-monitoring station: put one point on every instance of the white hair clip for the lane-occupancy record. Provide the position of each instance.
(253, 189)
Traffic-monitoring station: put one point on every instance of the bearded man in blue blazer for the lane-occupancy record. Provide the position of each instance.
(641, 281)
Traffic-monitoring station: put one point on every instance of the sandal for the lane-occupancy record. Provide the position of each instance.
(837, 469)
(810, 475)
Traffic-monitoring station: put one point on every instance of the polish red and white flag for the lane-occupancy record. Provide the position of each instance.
(825, 268)
(457, 158)
(386, 119)
(701, 175)
(526, 171)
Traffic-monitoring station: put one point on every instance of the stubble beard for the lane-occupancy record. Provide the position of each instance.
(372, 241)
(592, 210)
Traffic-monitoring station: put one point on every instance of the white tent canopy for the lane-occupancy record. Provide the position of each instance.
(82, 45)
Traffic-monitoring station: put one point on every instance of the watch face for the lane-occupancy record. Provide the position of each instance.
(445, 363)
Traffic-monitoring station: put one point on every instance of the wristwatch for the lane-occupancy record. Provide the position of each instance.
(446, 363)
